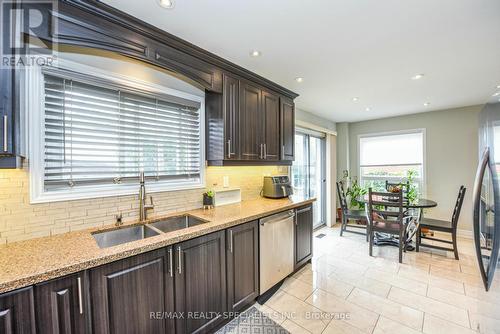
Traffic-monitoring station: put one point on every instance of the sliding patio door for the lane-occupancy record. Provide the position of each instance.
(309, 171)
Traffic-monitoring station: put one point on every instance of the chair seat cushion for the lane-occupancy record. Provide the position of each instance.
(356, 214)
(430, 222)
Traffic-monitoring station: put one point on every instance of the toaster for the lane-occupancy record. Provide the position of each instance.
(277, 186)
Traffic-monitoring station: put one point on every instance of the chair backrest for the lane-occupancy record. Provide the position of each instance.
(405, 186)
(458, 207)
(382, 205)
(342, 197)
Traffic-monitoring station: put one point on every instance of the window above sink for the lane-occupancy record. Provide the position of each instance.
(100, 129)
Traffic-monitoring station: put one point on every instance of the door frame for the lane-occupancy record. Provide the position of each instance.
(307, 134)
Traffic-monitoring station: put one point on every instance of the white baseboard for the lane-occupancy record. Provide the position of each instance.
(466, 234)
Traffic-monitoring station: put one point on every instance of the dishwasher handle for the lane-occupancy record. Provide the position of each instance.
(290, 214)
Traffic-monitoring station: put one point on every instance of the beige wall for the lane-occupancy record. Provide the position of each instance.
(451, 154)
(20, 220)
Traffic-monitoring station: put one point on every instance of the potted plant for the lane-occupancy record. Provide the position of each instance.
(354, 192)
(412, 194)
(208, 199)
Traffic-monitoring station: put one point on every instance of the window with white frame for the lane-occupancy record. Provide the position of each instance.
(96, 135)
(390, 157)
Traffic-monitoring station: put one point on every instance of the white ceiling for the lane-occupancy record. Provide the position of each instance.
(349, 48)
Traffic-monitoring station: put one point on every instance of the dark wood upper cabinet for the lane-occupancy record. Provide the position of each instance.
(200, 283)
(250, 122)
(287, 115)
(125, 293)
(231, 92)
(62, 305)
(271, 126)
(17, 315)
(242, 265)
(303, 235)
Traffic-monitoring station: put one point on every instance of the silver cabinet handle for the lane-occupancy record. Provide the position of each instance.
(171, 262)
(5, 130)
(80, 301)
(265, 151)
(180, 259)
(260, 154)
(231, 241)
(229, 148)
(283, 152)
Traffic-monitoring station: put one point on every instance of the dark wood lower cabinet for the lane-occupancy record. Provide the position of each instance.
(17, 313)
(127, 295)
(61, 305)
(242, 257)
(303, 235)
(200, 283)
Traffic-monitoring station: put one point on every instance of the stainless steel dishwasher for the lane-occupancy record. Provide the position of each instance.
(276, 248)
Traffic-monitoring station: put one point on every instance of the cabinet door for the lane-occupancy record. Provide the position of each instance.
(250, 119)
(61, 306)
(6, 115)
(17, 315)
(303, 235)
(127, 294)
(200, 283)
(231, 96)
(271, 126)
(242, 265)
(287, 111)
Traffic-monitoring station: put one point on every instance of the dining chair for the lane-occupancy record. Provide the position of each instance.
(348, 214)
(442, 226)
(386, 215)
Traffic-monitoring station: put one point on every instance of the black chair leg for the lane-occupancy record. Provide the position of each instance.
(454, 239)
(342, 224)
(417, 241)
(370, 243)
(367, 231)
(401, 246)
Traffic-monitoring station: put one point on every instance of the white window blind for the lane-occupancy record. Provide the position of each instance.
(397, 149)
(97, 132)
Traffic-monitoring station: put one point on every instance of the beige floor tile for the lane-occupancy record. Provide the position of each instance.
(341, 327)
(429, 305)
(301, 313)
(398, 281)
(355, 315)
(297, 288)
(342, 264)
(480, 293)
(470, 279)
(424, 277)
(434, 325)
(465, 302)
(293, 328)
(484, 324)
(326, 282)
(387, 308)
(388, 326)
(364, 283)
(276, 316)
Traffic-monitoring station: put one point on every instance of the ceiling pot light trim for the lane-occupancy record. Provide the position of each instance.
(418, 76)
(255, 53)
(299, 79)
(426, 104)
(355, 99)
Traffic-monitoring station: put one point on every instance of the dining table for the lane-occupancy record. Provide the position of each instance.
(419, 204)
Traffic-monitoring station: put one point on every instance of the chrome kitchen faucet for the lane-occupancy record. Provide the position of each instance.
(143, 207)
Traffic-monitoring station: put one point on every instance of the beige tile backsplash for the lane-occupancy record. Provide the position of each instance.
(20, 220)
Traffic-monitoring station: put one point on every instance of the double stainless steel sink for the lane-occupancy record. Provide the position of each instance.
(138, 232)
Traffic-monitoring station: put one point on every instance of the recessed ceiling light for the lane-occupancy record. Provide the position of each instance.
(169, 4)
(498, 87)
(496, 94)
(426, 104)
(368, 109)
(355, 99)
(299, 79)
(417, 76)
(255, 53)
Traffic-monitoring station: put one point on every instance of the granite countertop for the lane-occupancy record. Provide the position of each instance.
(29, 262)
